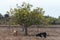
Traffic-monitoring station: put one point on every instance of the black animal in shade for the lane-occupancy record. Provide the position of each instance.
(43, 34)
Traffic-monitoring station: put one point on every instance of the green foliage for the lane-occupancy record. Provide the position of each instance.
(6, 15)
(1, 16)
(58, 20)
(24, 15)
(51, 20)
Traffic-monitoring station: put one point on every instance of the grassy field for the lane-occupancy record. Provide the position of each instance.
(6, 33)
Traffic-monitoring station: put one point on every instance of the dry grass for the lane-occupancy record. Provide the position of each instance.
(6, 34)
(27, 38)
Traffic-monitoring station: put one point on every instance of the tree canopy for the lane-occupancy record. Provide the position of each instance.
(24, 15)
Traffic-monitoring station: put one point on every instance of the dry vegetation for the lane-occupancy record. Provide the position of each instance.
(7, 33)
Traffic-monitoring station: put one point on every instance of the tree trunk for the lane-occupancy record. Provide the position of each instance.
(23, 28)
(26, 31)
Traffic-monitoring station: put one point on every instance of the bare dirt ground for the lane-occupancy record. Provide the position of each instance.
(6, 34)
(27, 38)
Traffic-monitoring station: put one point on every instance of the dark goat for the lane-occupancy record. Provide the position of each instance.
(43, 34)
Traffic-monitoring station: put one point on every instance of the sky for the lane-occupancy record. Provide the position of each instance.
(51, 7)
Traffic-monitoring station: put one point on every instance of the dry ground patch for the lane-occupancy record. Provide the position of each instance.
(5, 34)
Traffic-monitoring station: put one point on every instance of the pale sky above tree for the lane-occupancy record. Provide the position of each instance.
(51, 7)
